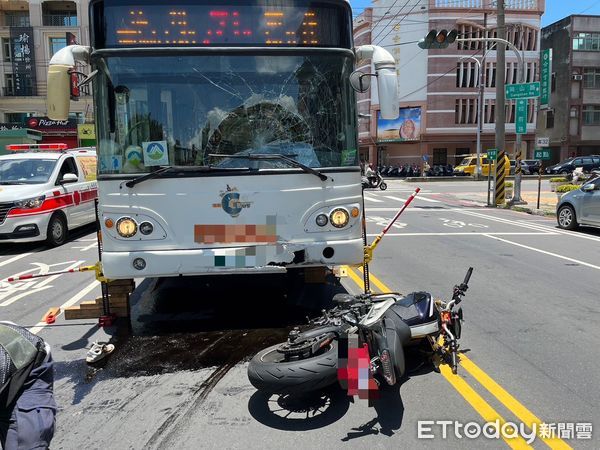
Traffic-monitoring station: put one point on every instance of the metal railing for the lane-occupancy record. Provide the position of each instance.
(60, 20)
(15, 20)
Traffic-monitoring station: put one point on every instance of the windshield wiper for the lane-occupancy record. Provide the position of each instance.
(275, 156)
(194, 169)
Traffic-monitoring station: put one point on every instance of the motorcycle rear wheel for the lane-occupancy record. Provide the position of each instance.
(269, 372)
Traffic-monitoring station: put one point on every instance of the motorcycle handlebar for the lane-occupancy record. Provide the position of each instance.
(468, 276)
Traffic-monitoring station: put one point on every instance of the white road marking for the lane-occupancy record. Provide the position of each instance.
(530, 226)
(89, 247)
(383, 222)
(14, 258)
(418, 197)
(373, 199)
(411, 209)
(566, 258)
(40, 325)
(508, 233)
(31, 286)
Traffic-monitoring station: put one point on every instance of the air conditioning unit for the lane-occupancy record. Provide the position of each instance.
(577, 77)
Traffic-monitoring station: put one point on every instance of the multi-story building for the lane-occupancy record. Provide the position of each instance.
(30, 33)
(572, 120)
(439, 87)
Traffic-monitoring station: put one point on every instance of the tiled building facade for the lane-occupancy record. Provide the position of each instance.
(440, 87)
(572, 121)
(30, 33)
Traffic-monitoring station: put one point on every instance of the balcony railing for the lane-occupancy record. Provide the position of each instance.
(15, 20)
(60, 20)
(527, 5)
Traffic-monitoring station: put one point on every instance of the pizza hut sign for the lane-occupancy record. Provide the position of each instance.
(43, 123)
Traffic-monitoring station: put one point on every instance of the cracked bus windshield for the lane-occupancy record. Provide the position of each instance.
(157, 111)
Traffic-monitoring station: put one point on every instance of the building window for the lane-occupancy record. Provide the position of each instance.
(489, 111)
(591, 78)
(16, 19)
(591, 115)
(466, 74)
(16, 117)
(6, 50)
(9, 85)
(59, 14)
(465, 111)
(587, 41)
(549, 118)
(440, 156)
(57, 43)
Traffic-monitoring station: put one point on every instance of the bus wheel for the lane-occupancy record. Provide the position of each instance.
(57, 230)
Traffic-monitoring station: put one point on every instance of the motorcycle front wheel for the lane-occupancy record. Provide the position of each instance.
(383, 186)
(269, 372)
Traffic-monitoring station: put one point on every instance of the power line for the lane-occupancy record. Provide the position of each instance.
(392, 29)
(383, 29)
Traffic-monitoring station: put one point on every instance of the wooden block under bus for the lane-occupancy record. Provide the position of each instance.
(92, 304)
(125, 282)
(75, 313)
(315, 275)
(120, 290)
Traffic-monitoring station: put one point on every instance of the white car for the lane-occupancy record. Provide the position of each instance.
(45, 191)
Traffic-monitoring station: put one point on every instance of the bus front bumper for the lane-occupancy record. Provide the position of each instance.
(262, 258)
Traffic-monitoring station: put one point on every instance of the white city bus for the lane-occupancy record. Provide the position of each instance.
(227, 133)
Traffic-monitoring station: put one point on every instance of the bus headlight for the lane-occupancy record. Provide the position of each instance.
(322, 220)
(126, 227)
(339, 218)
(31, 203)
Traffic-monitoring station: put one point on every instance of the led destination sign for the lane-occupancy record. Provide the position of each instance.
(222, 25)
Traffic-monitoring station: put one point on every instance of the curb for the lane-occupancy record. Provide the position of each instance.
(465, 178)
(532, 211)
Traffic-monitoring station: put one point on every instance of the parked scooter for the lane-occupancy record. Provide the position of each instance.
(374, 182)
(385, 324)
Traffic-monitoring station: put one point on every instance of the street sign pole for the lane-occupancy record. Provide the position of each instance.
(541, 155)
(521, 92)
(489, 181)
(540, 183)
(491, 154)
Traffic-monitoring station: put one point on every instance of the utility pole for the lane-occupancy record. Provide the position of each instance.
(500, 82)
(480, 104)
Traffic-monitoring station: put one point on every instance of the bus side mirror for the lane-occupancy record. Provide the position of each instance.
(62, 81)
(59, 92)
(360, 82)
(387, 79)
(387, 86)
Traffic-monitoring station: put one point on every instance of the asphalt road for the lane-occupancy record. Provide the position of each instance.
(178, 378)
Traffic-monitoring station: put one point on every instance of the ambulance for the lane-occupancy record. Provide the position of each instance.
(45, 191)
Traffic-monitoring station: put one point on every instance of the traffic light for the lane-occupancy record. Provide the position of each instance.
(438, 40)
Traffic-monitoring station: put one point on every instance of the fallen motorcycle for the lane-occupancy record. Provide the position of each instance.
(384, 323)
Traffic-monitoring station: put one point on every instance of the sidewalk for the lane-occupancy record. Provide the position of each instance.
(548, 201)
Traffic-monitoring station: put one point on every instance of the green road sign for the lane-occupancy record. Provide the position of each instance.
(524, 90)
(521, 116)
(541, 154)
(492, 153)
(545, 77)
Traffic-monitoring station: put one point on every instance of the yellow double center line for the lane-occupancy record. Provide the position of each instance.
(483, 408)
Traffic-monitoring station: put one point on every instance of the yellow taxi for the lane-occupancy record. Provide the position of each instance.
(468, 165)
